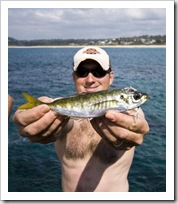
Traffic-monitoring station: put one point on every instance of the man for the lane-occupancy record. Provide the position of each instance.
(96, 154)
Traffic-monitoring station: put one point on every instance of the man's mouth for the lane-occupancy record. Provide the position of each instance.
(91, 89)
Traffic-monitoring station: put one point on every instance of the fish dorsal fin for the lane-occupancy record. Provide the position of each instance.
(83, 93)
(78, 94)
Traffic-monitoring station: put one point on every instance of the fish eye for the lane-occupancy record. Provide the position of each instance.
(137, 96)
(122, 96)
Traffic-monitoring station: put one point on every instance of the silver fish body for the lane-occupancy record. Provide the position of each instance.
(96, 104)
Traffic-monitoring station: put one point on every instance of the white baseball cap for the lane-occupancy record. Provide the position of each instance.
(94, 53)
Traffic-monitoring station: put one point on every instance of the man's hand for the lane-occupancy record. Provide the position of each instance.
(122, 130)
(39, 124)
(10, 103)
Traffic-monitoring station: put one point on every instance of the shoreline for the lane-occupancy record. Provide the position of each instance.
(106, 46)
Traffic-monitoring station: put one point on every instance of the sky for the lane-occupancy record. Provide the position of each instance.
(85, 23)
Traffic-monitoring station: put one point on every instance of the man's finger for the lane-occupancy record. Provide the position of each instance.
(26, 117)
(40, 125)
(133, 123)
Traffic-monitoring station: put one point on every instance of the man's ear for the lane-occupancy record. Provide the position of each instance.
(111, 75)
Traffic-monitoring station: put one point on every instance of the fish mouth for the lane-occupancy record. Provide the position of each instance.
(145, 97)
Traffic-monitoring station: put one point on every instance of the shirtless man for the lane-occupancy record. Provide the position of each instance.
(96, 154)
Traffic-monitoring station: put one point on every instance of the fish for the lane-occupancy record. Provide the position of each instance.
(92, 105)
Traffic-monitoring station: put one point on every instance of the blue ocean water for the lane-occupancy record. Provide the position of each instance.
(35, 167)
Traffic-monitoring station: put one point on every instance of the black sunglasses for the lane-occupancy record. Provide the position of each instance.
(98, 73)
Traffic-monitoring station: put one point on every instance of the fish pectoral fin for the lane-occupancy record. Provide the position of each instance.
(80, 119)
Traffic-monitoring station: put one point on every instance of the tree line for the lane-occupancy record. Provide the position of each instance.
(137, 40)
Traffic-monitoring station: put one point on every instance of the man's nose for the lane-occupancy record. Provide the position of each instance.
(90, 77)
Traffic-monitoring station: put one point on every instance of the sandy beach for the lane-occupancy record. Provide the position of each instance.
(104, 46)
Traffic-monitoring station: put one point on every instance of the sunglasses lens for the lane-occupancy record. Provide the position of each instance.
(98, 73)
(81, 72)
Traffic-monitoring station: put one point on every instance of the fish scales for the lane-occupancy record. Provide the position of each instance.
(94, 104)
(88, 104)
(105, 104)
(83, 105)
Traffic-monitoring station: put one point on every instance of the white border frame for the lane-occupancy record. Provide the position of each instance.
(169, 194)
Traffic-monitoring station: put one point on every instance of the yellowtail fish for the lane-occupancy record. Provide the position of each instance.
(90, 105)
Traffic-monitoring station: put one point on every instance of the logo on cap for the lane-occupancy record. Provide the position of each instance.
(91, 51)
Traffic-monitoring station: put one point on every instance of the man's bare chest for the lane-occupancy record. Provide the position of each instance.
(82, 140)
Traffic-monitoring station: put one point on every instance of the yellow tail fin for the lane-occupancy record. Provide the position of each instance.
(32, 102)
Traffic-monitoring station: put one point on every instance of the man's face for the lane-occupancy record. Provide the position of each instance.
(91, 83)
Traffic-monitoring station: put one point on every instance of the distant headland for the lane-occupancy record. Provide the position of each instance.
(140, 41)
